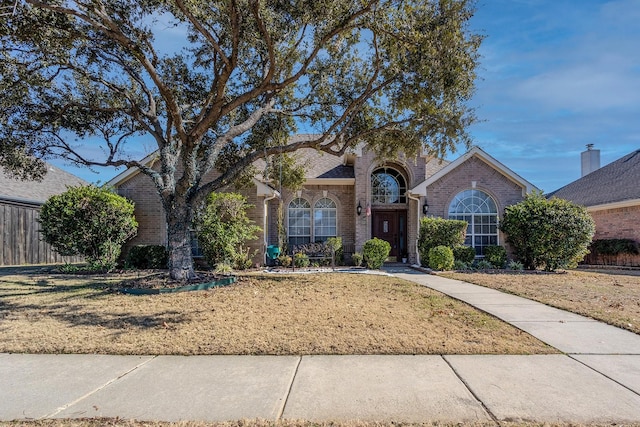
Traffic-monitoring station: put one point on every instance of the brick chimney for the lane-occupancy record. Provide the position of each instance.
(590, 160)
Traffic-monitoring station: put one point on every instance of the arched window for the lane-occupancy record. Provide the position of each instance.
(388, 186)
(479, 210)
(299, 222)
(324, 219)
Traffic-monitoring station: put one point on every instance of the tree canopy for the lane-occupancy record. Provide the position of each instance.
(394, 74)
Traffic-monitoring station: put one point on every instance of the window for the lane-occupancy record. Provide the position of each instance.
(388, 187)
(324, 219)
(299, 222)
(479, 210)
(302, 230)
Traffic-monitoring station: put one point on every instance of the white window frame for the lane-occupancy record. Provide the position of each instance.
(481, 216)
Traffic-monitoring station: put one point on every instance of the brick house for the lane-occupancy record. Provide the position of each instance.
(611, 195)
(358, 197)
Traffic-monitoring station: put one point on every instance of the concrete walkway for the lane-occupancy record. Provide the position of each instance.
(597, 380)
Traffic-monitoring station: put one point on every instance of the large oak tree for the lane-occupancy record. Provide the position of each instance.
(393, 74)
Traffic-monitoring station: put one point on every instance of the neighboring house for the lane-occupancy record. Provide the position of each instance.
(611, 194)
(356, 197)
(20, 203)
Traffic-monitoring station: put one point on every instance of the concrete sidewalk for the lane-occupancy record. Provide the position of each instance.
(596, 381)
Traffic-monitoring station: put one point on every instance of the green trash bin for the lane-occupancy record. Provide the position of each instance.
(273, 251)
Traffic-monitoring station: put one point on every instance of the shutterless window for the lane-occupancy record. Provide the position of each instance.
(479, 210)
(388, 187)
(299, 222)
(324, 219)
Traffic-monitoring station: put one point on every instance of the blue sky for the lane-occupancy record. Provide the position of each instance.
(555, 75)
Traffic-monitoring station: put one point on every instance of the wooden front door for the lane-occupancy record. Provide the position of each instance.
(392, 227)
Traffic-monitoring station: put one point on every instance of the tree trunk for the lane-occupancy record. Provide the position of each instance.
(179, 237)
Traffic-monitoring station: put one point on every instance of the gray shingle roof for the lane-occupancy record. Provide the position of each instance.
(55, 181)
(616, 182)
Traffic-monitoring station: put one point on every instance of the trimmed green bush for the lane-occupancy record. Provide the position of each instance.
(548, 233)
(465, 254)
(496, 256)
(614, 247)
(375, 252)
(441, 258)
(90, 221)
(439, 232)
(147, 256)
(300, 260)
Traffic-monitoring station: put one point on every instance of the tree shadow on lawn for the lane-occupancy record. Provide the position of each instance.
(78, 315)
(46, 286)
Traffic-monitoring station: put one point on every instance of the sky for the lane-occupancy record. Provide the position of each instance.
(554, 75)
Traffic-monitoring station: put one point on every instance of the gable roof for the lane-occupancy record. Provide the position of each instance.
(617, 182)
(482, 155)
(55, 181)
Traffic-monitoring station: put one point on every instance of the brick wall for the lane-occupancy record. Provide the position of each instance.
(620, 223)
(504, 191)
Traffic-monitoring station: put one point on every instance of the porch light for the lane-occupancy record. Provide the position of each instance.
(359, 209)
(425, 208)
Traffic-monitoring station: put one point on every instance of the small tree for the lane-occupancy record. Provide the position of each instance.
(223, 227)
(548, 233)
(89, 221)
(439, 232)
(375, 252)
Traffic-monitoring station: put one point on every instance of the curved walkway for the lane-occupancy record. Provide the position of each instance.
(596, 380)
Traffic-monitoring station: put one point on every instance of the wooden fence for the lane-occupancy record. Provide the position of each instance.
(21, 241)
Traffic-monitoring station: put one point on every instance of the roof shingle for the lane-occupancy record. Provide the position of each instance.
(616, 182)
(55, 181)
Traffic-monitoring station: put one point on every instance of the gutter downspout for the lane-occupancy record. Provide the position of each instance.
(417, 199)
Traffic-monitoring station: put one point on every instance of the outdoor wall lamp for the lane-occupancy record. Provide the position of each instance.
(359, 209)
(425, 207)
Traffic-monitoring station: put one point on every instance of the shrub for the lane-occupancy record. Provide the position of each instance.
(548, 233)
(375, 252)
(244, 258)
(223, 227)
(460, 265)
(147, 256)
(90, 221)
(465, 254)
(496, 256)
(300, 260)
(441, 258)
(356, 257)
(483, 264)
(515, 265)
(335, 248)
(439, 232)
(285, 260)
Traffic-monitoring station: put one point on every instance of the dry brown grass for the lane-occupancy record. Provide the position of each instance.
(111, 422)
(611, 296)
(261, 314)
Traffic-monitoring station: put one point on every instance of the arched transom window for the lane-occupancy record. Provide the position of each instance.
(388, 187)
(301, 227)
(479, 210)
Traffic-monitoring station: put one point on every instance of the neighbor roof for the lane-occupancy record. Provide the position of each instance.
(615, 182)
(55, 181)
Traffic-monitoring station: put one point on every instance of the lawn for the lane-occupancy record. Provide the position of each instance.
(612, 296)
(261, 314)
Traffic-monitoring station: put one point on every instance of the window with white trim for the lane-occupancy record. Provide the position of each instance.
(299, 222)
(388, 186)
(479, 210)
(301, 227)
(324, 219)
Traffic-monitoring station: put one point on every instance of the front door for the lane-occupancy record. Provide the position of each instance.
(392, 227)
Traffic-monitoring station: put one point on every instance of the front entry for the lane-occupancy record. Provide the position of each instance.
(392, 227)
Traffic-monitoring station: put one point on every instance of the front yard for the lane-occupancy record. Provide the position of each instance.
(612, 296)
(261, 314)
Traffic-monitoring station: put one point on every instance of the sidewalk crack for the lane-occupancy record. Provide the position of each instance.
(289, 387)
(103, 386)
